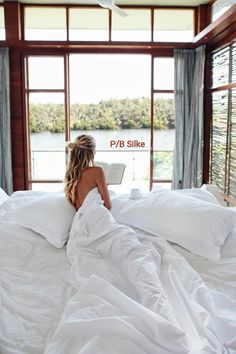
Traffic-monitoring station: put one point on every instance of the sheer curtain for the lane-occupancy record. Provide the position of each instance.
(5, 124)
(189, 89)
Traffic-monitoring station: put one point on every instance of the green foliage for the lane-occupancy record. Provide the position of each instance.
(163, 164)
(108, 114)
(47, 117)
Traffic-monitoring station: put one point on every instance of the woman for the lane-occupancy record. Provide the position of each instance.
(81, 174)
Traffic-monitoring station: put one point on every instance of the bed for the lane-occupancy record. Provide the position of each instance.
(156, 275)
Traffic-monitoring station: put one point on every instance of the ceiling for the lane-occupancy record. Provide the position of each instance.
(123, 2)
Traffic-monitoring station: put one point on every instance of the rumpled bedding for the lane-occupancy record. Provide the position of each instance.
(34, 289)
(113, 290)
(135, 297)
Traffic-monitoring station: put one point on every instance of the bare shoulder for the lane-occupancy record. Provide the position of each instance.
(99, 172)
(98, 169)
(95, 171)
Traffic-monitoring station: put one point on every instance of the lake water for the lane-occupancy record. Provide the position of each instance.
(129, 146)
(163, 139)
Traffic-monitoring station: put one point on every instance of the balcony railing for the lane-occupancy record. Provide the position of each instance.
(49, 165)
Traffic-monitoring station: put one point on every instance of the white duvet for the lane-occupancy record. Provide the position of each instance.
(132, 296)
(34, 289)
(122, 291)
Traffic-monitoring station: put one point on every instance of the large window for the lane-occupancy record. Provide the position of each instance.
(108, 96)
(124, 100)
(94, 23)
(223, 134)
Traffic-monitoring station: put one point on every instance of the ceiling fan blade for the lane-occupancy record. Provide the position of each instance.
(109, 4)
(118, 10)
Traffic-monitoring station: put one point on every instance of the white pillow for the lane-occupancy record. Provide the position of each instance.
(214, 190)
(200, 193)
(50, 215)
(18, 199)
(199, 226)
(3, 196)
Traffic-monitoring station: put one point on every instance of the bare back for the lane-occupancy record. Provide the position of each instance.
(92, 177)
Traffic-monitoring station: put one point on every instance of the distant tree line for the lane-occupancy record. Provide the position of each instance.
(108, 114)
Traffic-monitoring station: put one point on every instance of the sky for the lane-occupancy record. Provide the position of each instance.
(95, 77)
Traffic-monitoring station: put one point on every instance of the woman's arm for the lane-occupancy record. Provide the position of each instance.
(102, 187)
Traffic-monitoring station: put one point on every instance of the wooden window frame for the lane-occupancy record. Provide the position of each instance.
(110, 42)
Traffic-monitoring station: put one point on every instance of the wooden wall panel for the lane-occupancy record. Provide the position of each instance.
(17, 122)
(12, 21)
(204, 17)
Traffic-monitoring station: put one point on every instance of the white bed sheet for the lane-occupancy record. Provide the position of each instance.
(34, 288)
(132, 293)
(220, 280)
(209, 294)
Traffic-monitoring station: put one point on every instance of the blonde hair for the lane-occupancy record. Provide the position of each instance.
(81, 156)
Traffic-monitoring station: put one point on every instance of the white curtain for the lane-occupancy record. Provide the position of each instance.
(6, 181)
(188, 92)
